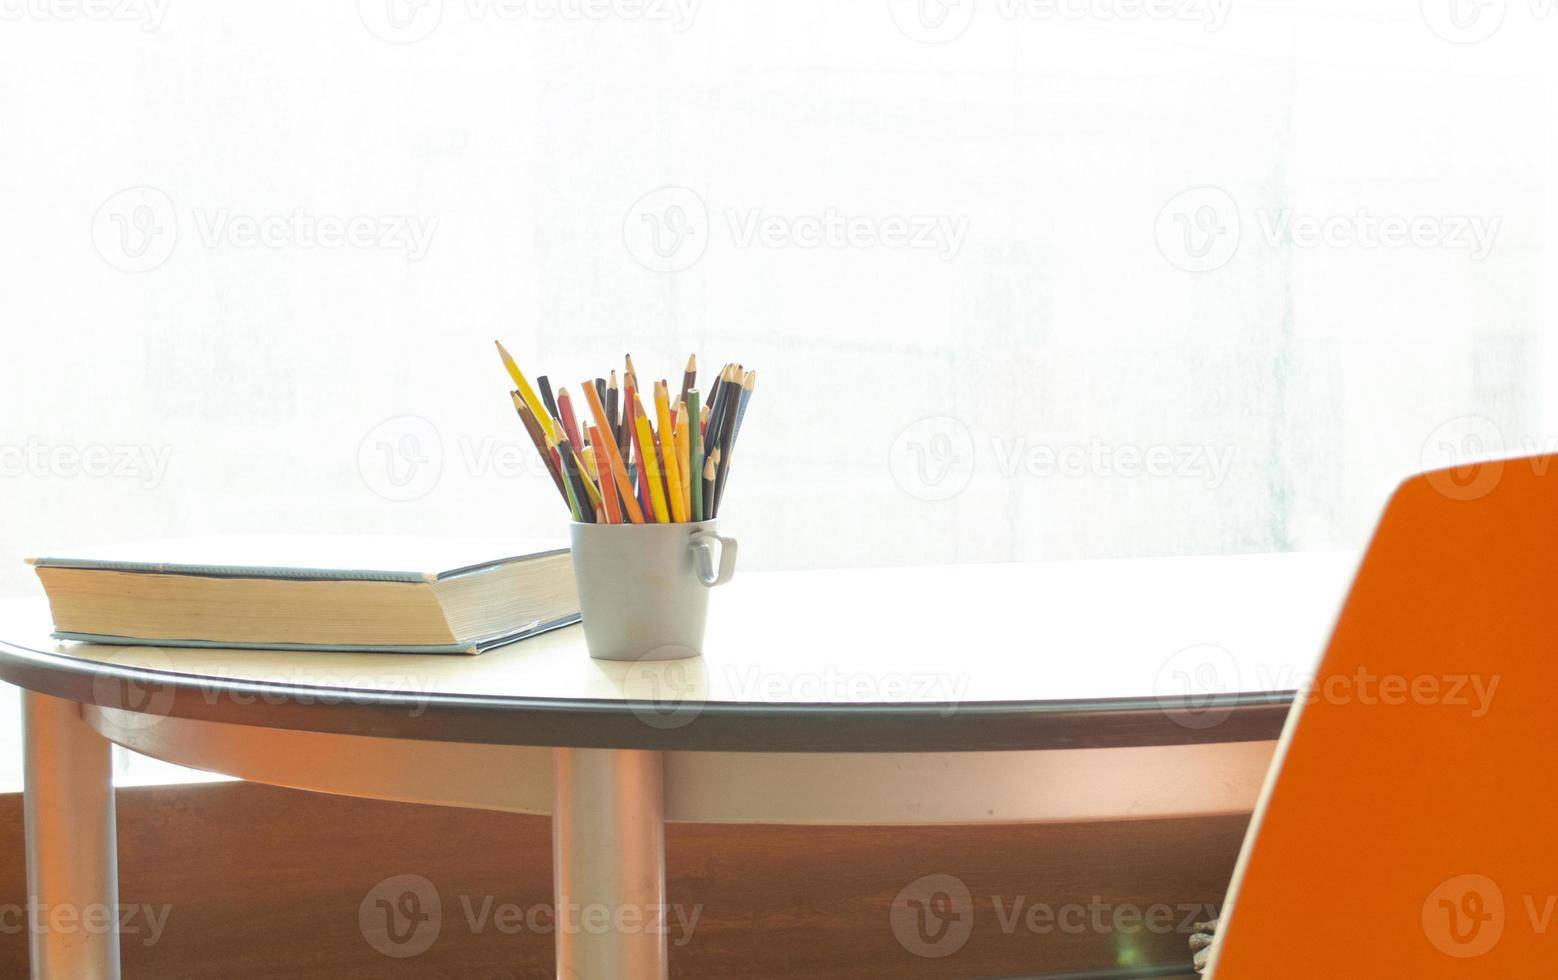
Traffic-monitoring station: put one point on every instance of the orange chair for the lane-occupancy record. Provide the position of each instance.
(1410, 827)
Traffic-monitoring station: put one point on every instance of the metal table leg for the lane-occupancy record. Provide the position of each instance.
(72, 862)
(608, 864)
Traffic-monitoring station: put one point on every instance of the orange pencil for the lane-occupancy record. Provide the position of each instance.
(684, 455)
(608, 487)
(613, 459)
(666, 438)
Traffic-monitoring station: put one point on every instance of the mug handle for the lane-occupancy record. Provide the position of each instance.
(703, 558)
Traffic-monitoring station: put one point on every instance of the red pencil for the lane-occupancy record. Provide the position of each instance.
(570, 424)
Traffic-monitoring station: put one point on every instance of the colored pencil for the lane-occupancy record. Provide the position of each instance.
(656, 494)
(525, 391)
(748, 384)
(573, 499)
(717, 414)
(727, 436)
(636, 411)
(709, 467)
(667, 443)
(575, 481)
(545, 384)
(611, 406)
(625, 427)
(680, 425)
(533, 429)
(570, 422)
(645, 459)
(613, 461)
(689, 376)
(608, 488)
(695, 456)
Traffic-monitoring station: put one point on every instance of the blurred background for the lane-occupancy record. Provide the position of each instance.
(1021, 280)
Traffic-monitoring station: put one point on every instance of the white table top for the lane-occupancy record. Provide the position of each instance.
(862, 647)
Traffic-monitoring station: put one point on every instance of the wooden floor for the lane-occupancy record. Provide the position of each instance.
(260, 882)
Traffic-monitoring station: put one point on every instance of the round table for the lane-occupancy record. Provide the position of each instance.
(1054, 691)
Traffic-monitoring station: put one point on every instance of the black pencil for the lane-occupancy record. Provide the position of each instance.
(611, 405)
(727, 436)
(576, 480)
(546, 395)
(689, 376)
(711, 435)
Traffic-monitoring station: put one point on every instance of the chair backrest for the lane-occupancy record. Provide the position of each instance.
(1410, 825)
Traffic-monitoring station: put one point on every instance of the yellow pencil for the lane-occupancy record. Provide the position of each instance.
(684, 455)
(673, 474)
(590, 489)
(646, 438)
(526, 392)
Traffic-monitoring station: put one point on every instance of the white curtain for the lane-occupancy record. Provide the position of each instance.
(1045, 280)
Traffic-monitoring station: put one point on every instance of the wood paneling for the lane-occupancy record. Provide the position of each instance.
(263, 882)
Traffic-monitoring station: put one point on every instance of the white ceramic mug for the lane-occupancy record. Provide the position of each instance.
(644, 588)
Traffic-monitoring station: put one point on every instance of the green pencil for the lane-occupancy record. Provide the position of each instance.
(694, 453)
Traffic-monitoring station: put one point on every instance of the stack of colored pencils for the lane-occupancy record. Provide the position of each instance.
(631, 467)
